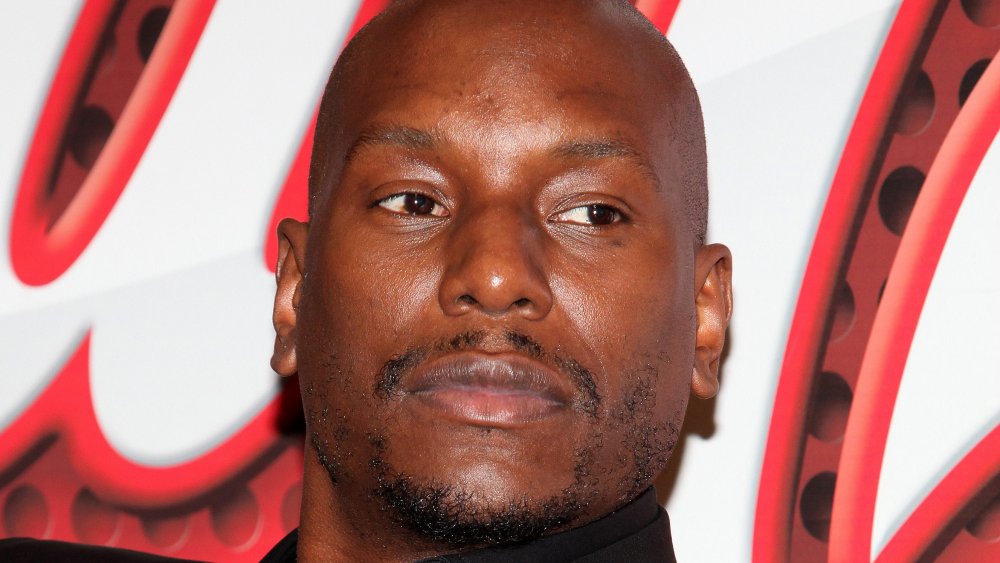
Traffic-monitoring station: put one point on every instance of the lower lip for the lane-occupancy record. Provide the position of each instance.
(489, 407)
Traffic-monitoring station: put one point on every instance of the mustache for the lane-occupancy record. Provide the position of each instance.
(582, 379)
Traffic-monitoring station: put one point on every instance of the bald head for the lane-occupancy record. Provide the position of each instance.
(505, 45)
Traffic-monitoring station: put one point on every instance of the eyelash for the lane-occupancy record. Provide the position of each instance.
(590, 210)
(398, 203)
(403, 200)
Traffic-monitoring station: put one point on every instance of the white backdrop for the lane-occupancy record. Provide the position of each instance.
(175, 291)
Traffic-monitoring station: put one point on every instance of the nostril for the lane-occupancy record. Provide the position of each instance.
(522, 303)
(467, 299)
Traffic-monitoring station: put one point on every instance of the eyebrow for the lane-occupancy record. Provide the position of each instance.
(398, 135)
(599, 149)
(417, 139)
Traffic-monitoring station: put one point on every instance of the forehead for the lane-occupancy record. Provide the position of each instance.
(509, 80)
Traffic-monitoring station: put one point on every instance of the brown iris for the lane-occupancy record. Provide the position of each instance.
(416, 204)
(601, 214)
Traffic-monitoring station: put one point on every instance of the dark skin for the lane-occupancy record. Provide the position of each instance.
(500, 301)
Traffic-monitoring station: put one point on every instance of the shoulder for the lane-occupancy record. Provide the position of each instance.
(16, 550)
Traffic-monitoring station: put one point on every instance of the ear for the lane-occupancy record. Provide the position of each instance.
(289, 271)
(713, 307)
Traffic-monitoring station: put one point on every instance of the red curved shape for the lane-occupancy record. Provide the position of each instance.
(899, 312)
(41, 251)
(66, 409)
(950, 496)
(779, 473)
(293, 199)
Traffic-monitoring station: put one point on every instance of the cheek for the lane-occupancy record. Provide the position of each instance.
(360, 307)
(635, 309)
(637, 315)
(376, 290)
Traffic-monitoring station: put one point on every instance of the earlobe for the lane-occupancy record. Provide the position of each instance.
(714, 307)
(292, 236)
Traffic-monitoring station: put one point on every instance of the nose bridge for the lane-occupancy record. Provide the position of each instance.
(496, 264)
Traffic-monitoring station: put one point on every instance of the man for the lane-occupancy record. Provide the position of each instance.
(502, 299)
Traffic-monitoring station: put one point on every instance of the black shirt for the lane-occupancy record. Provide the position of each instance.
(637, 533)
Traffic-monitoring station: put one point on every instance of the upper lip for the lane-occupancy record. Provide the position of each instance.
(500, 373)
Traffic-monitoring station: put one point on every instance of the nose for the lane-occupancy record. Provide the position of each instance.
(496, 266)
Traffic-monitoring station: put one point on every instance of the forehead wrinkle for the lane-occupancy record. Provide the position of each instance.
(602, 149)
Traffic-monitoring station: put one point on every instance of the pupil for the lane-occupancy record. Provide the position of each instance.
(600, 215)
(417, 204)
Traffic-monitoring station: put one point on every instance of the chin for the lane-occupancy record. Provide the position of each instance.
(461, 517)
(482, 502)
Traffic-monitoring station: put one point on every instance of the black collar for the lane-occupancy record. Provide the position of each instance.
(639, 532)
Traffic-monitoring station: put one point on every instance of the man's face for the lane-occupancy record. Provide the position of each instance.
(497, 323)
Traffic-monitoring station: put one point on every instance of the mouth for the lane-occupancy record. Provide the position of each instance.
(490, 390)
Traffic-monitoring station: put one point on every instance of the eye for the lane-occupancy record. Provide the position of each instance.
(413, 204)
(595, 215)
